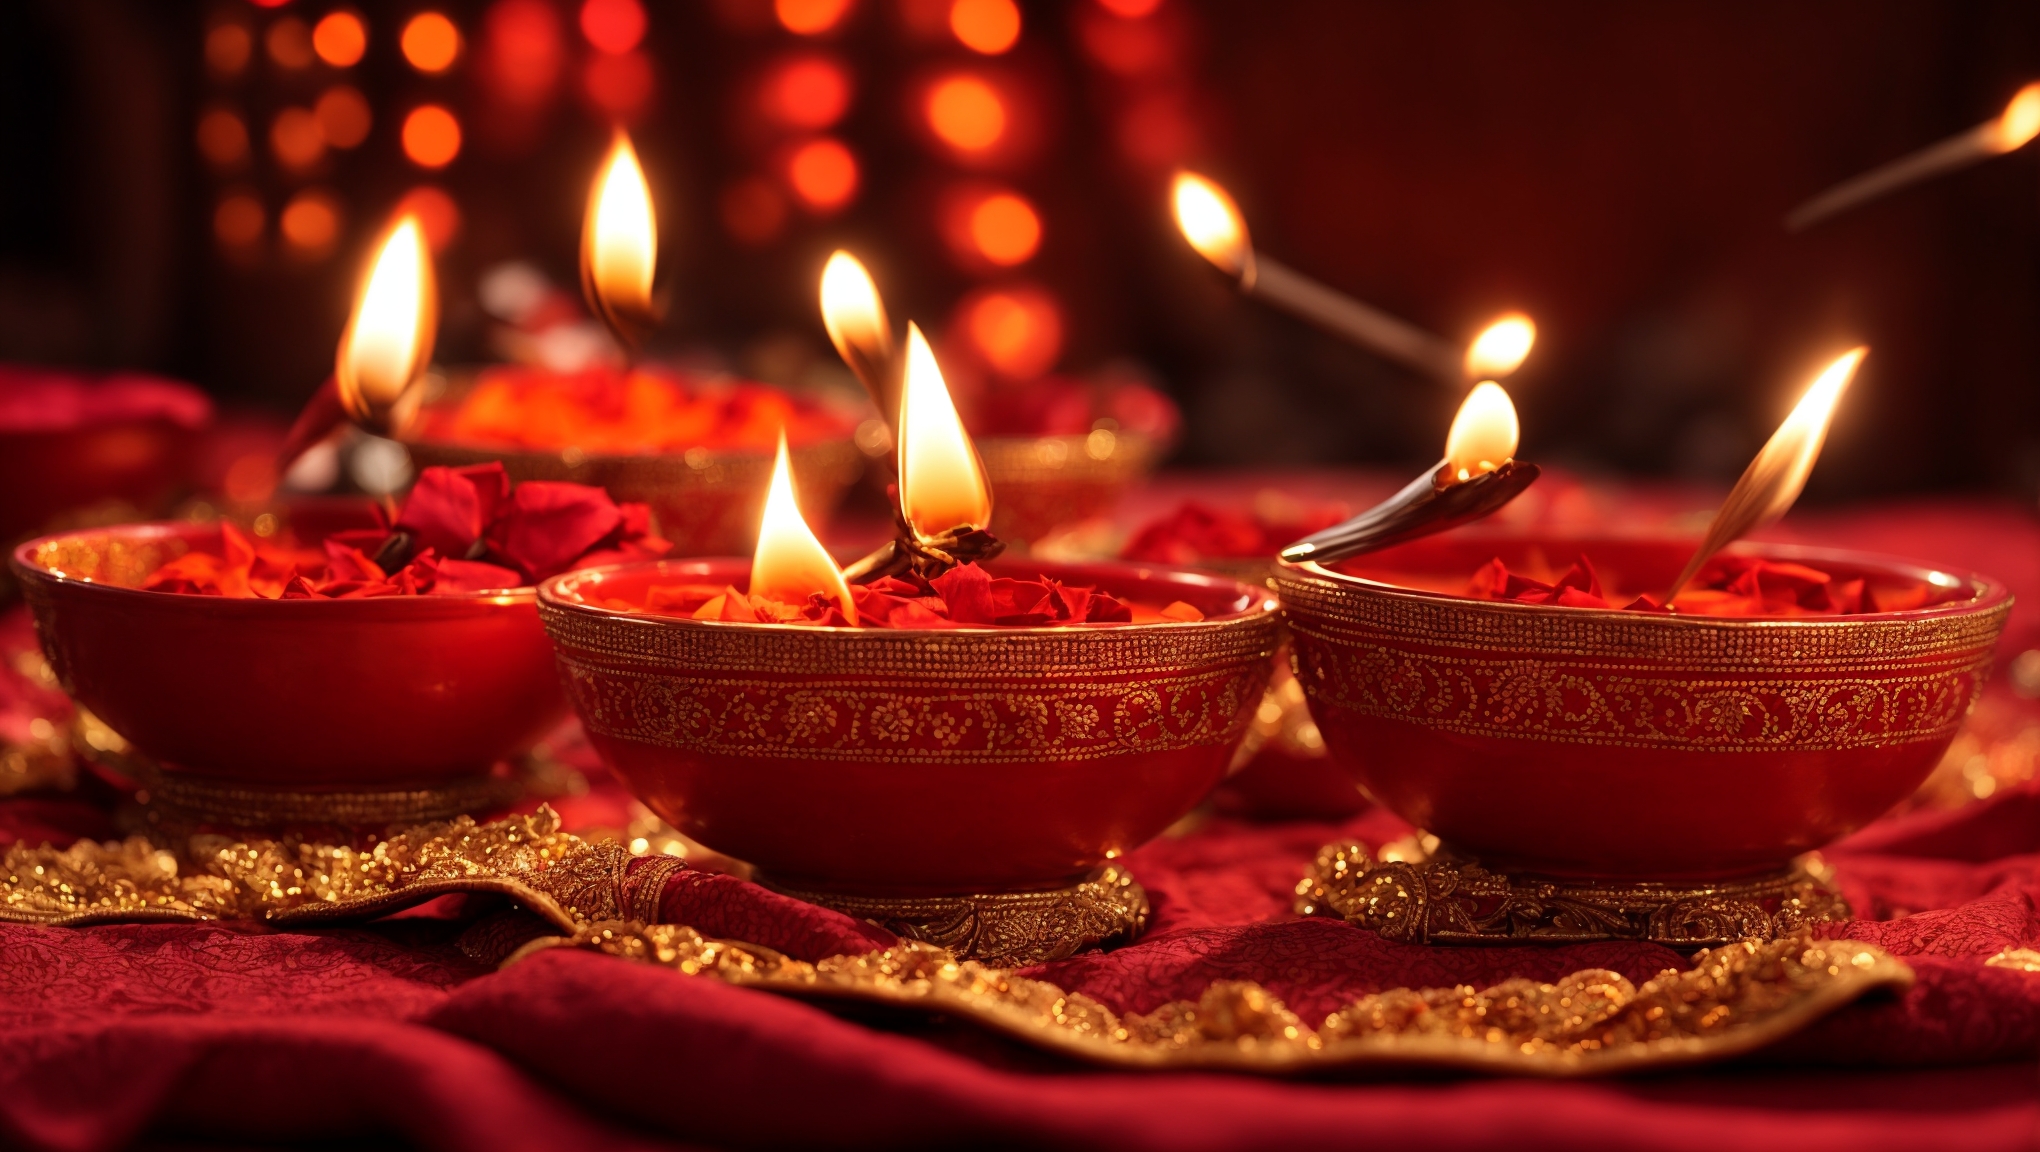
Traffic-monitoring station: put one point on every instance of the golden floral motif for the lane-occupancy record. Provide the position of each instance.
(905, 721)
(1733, 1000)
(1452, 901)
(1623, 705)
(1010, 929)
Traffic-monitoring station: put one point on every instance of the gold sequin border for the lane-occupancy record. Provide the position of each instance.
(1344, 608)
(1734, 1000)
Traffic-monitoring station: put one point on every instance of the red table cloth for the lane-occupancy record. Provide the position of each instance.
(240, 1031)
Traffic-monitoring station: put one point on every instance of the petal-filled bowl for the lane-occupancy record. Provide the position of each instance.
(311, 695)
(707, 501)
(915, 762)
(1580, 742)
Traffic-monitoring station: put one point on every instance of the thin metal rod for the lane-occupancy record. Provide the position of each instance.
(1363, 324)
(1956, 152)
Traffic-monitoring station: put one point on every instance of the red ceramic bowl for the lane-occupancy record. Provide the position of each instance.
(943, 762)
(1574, 742)
(288, 694)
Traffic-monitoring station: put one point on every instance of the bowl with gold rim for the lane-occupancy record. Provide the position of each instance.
(916, 763)
(1586, 742)
(301, 695)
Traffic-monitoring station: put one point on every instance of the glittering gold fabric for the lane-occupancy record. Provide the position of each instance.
(1012, 929)
(1734, 999)
(1455, 901)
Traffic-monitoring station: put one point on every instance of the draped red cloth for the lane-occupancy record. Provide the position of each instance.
(236, 1031)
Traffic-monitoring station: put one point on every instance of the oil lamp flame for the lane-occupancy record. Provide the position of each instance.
(790, 564)
(1787, 458)
(1501, 347)
(389, 337)
(855, 318)
(1775, 478)
(852, 311)
(1485, 433)
(942, 484)
(1212, 224)
(619, 243)
(2021, 119)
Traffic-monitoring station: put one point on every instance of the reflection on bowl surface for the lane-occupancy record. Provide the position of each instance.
(288, 694)
(915, 762)
(1577, 741)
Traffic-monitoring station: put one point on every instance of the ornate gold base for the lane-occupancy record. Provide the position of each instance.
(1449, 899)
(175, 802)
(1005, 929)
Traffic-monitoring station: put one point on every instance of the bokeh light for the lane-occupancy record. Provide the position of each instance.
(1130, 9)
(521, 52)
(340, 38)
(966, 113)
(431, 136)
(823, 173)
(807, 91)
(227, 48)
(296, 138)
(289, 44)
(987, 26)
(344, 116)
(810, 17)
(1017, 331)
(753, 210)
(223, 138)
(620, 86)
(613, 26)
(437, 214)
(310, 223)
(430, 42)
(1005, 229)
(238, 220)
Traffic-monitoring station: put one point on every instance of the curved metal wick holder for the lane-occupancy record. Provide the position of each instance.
(1429, 504)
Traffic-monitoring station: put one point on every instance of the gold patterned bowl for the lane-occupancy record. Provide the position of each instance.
(1603, 743)
(707, 501)
(910, 763)
(1044, 482)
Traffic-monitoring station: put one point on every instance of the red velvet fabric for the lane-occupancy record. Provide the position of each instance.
(240, 1032)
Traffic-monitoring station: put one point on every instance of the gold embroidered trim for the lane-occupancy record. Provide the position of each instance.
(1343, 608)
(1007, 929)
(290, 880)
(1594, 1022)
(1735, 999)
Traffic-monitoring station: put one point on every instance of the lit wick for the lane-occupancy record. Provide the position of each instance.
(855, 318)
(790, 565)
(1774, 479)
(1480, 473)
(619, 247)
(945, 502)
(1213, 225)
(383, 350)
(2007, 132)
